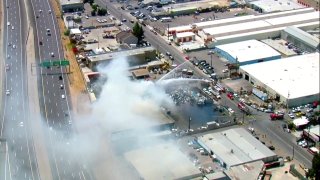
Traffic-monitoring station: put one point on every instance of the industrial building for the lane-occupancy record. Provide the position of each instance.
(269, 6)
(235, 20)
(209, 35)
(136, 56)
(292, 81)
(235, 147)
(184, 37)
(247, 52)
(71, 5)
(301, 39)
(172, 164)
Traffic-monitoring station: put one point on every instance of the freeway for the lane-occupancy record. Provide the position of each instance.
(15, 125)
(54, 97)
(263, 124)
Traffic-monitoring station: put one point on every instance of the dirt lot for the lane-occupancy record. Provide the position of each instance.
(77, 84)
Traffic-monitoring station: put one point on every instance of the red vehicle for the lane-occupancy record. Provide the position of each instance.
(230, 96)
(243, 108)
(275, 116)
(187, 58)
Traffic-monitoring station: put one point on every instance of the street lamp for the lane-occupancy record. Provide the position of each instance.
(189, 123)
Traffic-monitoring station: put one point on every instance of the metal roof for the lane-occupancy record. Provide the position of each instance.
(236, 146)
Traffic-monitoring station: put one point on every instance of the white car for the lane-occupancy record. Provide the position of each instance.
(49, 11)
(8, 23)
(52, 54)
(7, 92)
(231, 111)
(63, 96)
(13, 46)
(7, 67)
(225, 70)
(291, 115)
(12, 27)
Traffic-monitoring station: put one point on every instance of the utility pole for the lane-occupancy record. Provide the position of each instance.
(211, 59)
(168, 31)
(292, 151)
(189, 123)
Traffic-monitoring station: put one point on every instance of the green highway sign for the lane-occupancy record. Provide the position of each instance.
(63, 62)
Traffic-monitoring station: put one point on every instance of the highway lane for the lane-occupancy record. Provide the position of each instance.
(15, 122)
(55, 95)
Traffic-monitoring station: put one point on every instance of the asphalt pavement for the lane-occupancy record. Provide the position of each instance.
(54, 94)
(15, 124)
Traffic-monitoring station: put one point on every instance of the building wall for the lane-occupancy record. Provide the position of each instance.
(302, 45)
(72, 7)
(310, 3)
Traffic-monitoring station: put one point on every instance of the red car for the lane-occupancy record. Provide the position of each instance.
(230, 96)
(275, 116)
(187, 58)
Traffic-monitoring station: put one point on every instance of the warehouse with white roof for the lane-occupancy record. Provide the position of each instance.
(268, 6)
(247, 52)
(236, 146)
(292, 81)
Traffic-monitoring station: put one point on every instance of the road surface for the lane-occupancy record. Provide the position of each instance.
(15, 124)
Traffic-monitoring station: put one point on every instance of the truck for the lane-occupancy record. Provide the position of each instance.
(166, 19)
(276, 116)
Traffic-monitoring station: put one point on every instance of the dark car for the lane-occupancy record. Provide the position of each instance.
(195, 62)
(271, 147)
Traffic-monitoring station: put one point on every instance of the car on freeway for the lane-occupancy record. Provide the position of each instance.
(171, 57)
(187, 58)
(12, 27)
(40, 42)
(8, 92)
(61, 86)
(40, 10)
(168, 53)
(52, 54)
(13, 46)
(63, 96)
(7, 67)
(8, 23)
(49, 11)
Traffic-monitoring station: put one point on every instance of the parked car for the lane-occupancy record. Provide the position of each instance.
(275, 116)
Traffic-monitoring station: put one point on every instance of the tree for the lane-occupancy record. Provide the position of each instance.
(67, 32)
(314, 172)
(95, 6)
(291, 126)
(137, 31)
(102, 11)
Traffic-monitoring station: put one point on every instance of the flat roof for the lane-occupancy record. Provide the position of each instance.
(263, 31)
(75, 31)
(232, 28)
(236, 146)
(248, 50)
(112, 55)
(65, 2)
(315, 130)
(162, 161)
(245, 171)
(263, 23)
(241, 19)
(297, 18)
(140, 72)
(298, 75)
(279, 5)
(303, 36)
(184, 34)
(300, 121)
